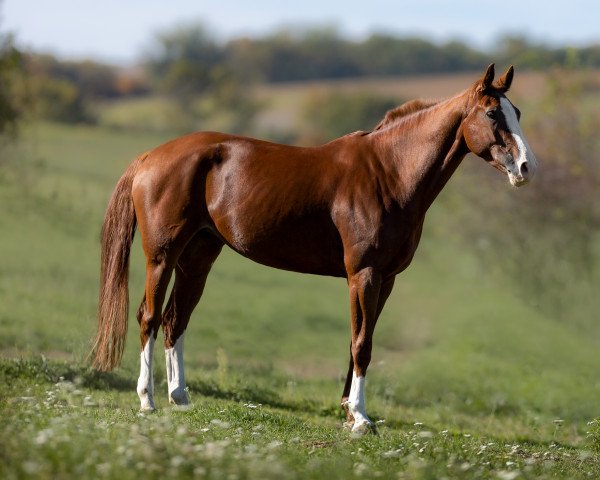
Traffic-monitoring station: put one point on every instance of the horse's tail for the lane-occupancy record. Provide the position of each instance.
(118, 230)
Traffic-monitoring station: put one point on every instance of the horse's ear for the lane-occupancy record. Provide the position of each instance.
(487, 79)
(504, 82)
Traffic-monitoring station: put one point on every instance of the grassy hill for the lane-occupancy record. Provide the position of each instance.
(466, 380)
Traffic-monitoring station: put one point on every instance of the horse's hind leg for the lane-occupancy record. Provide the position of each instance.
(191, 271)
(158, 273)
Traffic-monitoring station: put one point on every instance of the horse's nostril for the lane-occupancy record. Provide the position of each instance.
(524, 169)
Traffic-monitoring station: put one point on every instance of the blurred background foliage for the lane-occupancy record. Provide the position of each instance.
(10, 73)
(206, 80)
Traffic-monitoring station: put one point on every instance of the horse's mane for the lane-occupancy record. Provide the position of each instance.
(404, 110)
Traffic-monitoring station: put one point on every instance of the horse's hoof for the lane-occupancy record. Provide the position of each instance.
(364, 428)
(147, 409)
(179, 397)
(348, 425)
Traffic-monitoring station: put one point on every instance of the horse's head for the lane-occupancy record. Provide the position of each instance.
(491, 129)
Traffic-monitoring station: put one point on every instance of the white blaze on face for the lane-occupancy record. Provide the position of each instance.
(175, 374)
(145, 385)
(525, 163)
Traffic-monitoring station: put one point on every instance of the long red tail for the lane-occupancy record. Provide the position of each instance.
(118, 231)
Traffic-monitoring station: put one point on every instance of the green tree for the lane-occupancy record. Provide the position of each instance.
(10, 69)
(56, 91)
(188, 66)
(181, 61)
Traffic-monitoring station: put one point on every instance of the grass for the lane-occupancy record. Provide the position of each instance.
(80, 424)
(466, 380)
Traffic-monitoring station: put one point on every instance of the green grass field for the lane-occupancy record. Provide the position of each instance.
(466, 380)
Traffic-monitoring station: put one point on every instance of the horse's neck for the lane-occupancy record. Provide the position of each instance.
(425, 150)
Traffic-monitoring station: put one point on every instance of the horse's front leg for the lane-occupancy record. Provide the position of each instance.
(384, 292)
(365, 286)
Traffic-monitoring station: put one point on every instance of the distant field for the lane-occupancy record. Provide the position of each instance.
(466, 380)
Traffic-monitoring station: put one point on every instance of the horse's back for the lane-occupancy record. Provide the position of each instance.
(270, 202)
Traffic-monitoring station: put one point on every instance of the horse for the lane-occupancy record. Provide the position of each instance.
(351, 208)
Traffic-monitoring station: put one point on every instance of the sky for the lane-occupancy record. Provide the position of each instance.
(119, 31)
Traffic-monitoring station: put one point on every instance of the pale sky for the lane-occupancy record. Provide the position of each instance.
(119, 30)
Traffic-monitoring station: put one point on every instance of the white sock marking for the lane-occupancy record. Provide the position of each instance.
(145, 385)
(175, 374)
(356, 403)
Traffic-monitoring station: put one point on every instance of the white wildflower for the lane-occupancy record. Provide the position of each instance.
(199, 471)
(360, 469)
(43, 436)
(216, 449)
(30, 467)
(392, 453)
(585, 454)
(507, 475)
(103, 468)
(219, 423)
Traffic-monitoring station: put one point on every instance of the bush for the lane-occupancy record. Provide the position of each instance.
(58, 100)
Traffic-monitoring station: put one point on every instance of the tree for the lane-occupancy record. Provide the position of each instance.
(62, 91)
(181, 62)
(10, 68)
(192, 69)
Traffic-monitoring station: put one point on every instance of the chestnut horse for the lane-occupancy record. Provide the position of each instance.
(352, 208)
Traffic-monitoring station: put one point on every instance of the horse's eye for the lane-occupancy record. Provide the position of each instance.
(492, 114)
